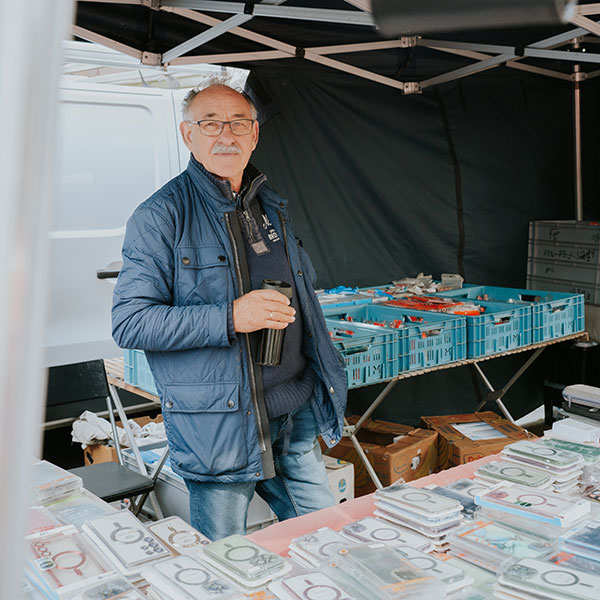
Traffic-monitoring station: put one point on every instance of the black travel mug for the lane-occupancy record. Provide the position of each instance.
(271, 340)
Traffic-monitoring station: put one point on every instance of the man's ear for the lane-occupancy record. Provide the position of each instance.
(254, 135)
(186, 133)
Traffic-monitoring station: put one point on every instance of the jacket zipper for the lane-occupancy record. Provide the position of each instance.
(238, 272)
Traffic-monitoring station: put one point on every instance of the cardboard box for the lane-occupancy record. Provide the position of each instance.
(468, 443)
(99, 453)
(395, 451)
(341, 478)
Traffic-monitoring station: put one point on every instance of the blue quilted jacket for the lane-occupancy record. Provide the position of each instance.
(183, 262)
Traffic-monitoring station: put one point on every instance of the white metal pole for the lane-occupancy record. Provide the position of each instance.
(30, 35)
(577, 137)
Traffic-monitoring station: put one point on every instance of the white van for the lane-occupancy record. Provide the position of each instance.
(118, 144)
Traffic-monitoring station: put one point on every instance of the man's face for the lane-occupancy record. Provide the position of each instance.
(225, 155)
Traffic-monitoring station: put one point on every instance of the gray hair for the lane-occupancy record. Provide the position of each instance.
(211, 82)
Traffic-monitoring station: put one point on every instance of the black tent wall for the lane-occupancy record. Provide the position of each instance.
(382, 184)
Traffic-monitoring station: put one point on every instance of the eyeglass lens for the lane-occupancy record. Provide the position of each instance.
(238, 127)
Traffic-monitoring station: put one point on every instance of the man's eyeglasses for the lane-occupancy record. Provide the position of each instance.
(213, 128)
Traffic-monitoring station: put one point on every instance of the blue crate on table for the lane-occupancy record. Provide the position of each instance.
(554, 314)
(136, 371)
(438, 339)
(370, 353)
(502, 327)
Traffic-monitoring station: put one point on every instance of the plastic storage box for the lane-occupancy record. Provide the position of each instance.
(370, 353)
(136, 371)
(565, 256)
(435, 340)
(554, 314)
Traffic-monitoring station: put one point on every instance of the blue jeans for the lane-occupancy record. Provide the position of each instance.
(299, 487)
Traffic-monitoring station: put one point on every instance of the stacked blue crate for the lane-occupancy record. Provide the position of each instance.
(554, 314)
(424, 340)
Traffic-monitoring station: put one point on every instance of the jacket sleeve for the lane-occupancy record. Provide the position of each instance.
(143, 315)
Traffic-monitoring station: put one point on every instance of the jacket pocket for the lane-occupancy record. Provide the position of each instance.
(203, 275)
(205, 427)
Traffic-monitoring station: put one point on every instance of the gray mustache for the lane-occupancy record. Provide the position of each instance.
(219, 148)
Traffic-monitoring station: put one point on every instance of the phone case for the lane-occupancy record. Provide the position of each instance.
(372, 529)
(489, 538)
(243, 557)
(468, 487)
(516, 473)
(420, 501)
(314, 586)
(127, 539)
(64, 558)
(534, 504)
(447, 573)
(543, 453)
(188, 575)
(538, 576)
(179, 535)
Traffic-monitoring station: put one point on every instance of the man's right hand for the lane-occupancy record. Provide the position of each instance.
(262, 309)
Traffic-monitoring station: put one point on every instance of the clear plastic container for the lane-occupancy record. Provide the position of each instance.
(126, 541)
(544, 507)
(77, 509)
(319, 545)
(544, 579)
(496, 543)
(186, 578)
(389, 575)
(64, 558)
(50, 483)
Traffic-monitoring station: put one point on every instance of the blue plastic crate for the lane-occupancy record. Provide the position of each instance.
(439, 339)
(500, 328)
(554, 314)
(370, 353)
(137, 372)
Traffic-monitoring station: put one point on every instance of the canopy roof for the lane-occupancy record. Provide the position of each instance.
(331, 34)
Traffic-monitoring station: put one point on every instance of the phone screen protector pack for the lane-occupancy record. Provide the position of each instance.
(550, 580)
(126, 541)
(61, 559)
(583, 539)
(319, 545)
(419, 501)
(554, 457)
(109, 587)
(537, 505)
(82, 507)
(313, 585)
(186, 578)
(515, 473)
(450, 575)
(243, 560)
(372, 529)
(389, 574)
(178, 535)
(496, 543)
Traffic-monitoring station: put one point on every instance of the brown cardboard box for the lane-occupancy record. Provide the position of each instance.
(99, 453)
(455, 448)
(412, 455)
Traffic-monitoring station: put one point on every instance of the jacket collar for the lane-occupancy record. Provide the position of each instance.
(220, 189)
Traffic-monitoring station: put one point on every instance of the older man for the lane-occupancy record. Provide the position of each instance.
(189, 294)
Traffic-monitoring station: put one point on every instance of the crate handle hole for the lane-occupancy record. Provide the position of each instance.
(502, 321)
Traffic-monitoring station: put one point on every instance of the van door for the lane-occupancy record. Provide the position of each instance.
(117, 146)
